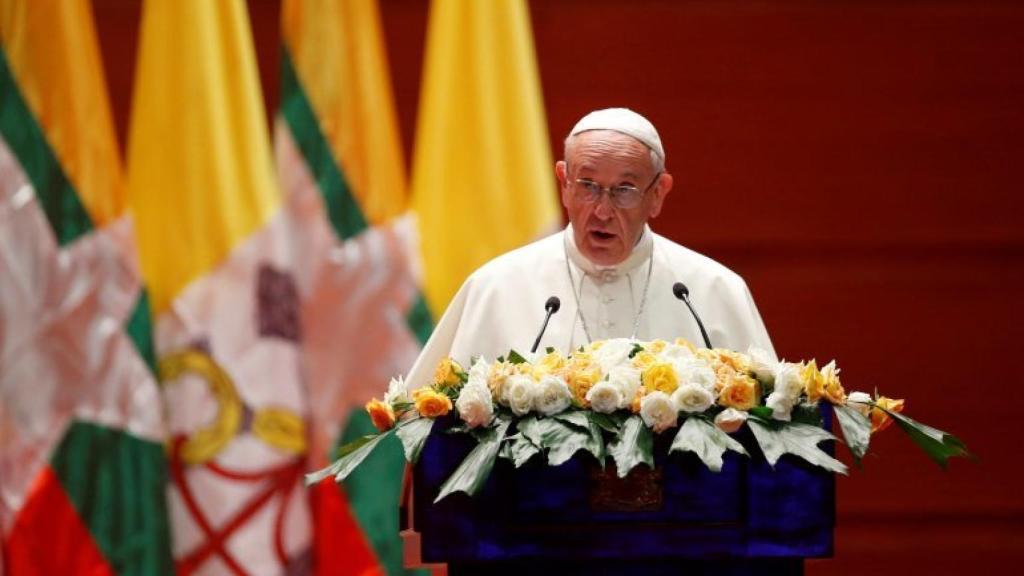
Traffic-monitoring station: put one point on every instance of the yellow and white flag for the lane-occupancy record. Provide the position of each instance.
(483, 180)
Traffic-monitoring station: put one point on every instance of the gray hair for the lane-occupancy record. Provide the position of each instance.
(657, 162)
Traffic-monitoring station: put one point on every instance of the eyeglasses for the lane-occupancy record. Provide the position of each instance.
(622, 196)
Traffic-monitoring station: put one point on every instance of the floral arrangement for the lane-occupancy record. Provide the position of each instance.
(610, 398)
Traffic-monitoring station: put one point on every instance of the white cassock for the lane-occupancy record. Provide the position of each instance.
(501, 305)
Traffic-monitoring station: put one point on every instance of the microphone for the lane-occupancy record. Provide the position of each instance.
(681, 292)
(552, 306)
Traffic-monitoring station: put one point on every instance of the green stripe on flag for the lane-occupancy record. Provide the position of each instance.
(117, 483)
(140, 330)
(63, 208)
(342, 209)
(419, 319)
(374, 490)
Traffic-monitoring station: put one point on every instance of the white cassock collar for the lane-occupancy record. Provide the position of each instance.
(641, 252)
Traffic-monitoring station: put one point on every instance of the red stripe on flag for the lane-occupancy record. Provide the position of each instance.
(339, 546)
(48, 536)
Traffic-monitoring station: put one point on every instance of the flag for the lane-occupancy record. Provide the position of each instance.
(82, 466)
(340, 159)
(483, 180)
(216, 253)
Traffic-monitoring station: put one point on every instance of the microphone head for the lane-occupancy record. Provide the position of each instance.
(680, 290)
(553, 304)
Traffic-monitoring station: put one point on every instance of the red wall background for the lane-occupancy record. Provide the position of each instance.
(859, 163)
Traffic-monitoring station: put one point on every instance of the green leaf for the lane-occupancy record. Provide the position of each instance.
(520, 449)
(806, 414)
(856, 430)
(349, 457)
(635, 350)
(761, 412)
(574, 418)
(634, 445)
(938, 445)
(413, 434)
(515, 358)
(699, 436)
(798, 439)
(607, 422)
(470, 476)
(562, 440)
(549, 349)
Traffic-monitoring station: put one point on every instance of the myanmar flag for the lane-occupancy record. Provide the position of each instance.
(82, 467)
(340, 160)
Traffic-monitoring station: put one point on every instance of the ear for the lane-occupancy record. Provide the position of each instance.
(561, 173)
(665, 182)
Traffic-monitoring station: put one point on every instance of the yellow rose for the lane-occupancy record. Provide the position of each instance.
(660, 376)
(634, 406)
(724, 374)
(686, 343)
(740, 393)
(735, 360)
(644, 359)
(595, 345)
(814, 382)
(448, 374)
(551, 363)
(580, 382)
(880, 420)
(497, 374)
(381, 413)
(430, 403)
(656, 346)
(832, 390)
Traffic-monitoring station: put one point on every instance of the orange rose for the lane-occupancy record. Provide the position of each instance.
(382, 415)
(430, 403)
(740, 393)
(662, 377)
(551, 363)
(880, 420)
(686, 344)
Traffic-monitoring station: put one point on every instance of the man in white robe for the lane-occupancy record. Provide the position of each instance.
(613, 276)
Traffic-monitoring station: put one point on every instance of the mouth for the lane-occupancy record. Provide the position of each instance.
(601, 236)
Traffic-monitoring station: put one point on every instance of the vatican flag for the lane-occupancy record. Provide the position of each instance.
(82, 465)
(483, 179)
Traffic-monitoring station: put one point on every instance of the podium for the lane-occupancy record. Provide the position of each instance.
(679, 518)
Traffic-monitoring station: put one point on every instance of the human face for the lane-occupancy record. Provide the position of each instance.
(603, 232)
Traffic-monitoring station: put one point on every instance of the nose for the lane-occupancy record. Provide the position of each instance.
(604, 209)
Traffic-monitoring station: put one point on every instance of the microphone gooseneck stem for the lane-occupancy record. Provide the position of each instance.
(543, 328)
(703, 332)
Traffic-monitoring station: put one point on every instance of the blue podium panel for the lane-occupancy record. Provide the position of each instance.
(748, 517)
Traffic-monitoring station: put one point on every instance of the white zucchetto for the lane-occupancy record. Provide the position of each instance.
(625, 121)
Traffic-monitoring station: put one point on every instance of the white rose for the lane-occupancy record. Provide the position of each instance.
(692, 398)
(612, 353)
(762, 364)
(479, 371)
(675, 352)
(398, 391)
(859, 401)
(605, 397)
(787, 381)
(519, 393)
(695, 371)
(551, 395)
(730, 420)
(781, 405)
(658, 411)
(627, 380)
(476, 408)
